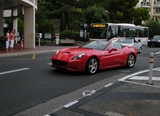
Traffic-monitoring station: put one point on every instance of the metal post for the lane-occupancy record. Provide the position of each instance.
(151, 68)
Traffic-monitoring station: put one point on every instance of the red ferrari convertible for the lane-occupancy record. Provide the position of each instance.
(95, 56)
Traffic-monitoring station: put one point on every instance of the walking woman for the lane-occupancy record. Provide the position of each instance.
(12, 40)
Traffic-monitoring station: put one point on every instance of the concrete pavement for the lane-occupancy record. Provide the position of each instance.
(131, 95)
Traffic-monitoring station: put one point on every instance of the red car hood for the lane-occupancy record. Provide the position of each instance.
(77, 50)
(67, 53)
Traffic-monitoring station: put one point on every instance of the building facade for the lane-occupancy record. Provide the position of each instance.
(29, 8)
(153, 6)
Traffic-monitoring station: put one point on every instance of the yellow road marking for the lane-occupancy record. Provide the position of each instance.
(17, 59)
(34, 56)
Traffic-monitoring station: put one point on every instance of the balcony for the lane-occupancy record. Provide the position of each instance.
(156, 5)
(145, 4)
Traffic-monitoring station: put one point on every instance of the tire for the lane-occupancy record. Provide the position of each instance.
(131, 60)
(92, 65)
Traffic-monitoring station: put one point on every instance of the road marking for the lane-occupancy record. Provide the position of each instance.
(157, 69)
(88, 92)
(134, 74)
(17, 59)
(157, 52)
(34, 56)
(12, 71)
(70, 104)
(49, 63)
(47, 115)
(141, 84)
(144, 78)
(108, 85)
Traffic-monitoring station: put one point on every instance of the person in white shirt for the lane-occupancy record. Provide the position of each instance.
(7, 40)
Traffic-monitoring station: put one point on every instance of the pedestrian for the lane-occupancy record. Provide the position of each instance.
(7, 40)
(12, 40)
(22, 44)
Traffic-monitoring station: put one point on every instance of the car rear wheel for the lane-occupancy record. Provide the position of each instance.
(92, 65)
(131, 60)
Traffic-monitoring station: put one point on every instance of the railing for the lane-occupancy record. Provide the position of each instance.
(145, 4)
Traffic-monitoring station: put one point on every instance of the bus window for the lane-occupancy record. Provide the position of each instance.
(112, 32)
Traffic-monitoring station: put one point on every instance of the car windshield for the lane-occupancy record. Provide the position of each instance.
(124, 41)
(156, 38)
(98, 45)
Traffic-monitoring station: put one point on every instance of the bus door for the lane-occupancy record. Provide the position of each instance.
(112, 31)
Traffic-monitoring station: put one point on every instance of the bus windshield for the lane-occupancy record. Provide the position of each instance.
(98, 31)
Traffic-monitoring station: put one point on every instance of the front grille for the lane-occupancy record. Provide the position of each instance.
(59, 63)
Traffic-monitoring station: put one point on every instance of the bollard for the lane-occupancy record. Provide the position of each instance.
(151, 68)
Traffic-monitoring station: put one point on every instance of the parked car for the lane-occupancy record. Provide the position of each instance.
(136, 43)
(94, 56)
(154, 42)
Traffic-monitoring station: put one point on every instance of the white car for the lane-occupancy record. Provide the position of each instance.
(129, 42)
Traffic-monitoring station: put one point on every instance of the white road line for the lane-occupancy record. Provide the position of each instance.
(108, 85)
(131, 75)
(157, 69)
(157, 52)
(134, 74)
(12, 71)
(49, 63)
(47, 115)
(70, 104)
(141, 84)
(144, 78)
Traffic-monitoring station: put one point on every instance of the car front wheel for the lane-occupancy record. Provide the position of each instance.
(92, 66)
(131, 61)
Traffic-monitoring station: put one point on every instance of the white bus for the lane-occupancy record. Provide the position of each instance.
(111, 30)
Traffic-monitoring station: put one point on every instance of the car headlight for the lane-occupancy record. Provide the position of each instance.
(57, 51)
(79, 56)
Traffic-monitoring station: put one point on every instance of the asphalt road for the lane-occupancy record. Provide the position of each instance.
(29, 80)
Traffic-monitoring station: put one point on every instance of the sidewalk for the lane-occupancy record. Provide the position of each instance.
(37, 49)
(129, 96)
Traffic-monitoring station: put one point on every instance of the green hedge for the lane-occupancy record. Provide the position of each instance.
(69, 34)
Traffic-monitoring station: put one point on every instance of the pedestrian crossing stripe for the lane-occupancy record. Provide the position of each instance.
(157, 69)
(144, 78)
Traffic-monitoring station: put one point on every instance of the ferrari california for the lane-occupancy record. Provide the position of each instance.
(94, 56)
